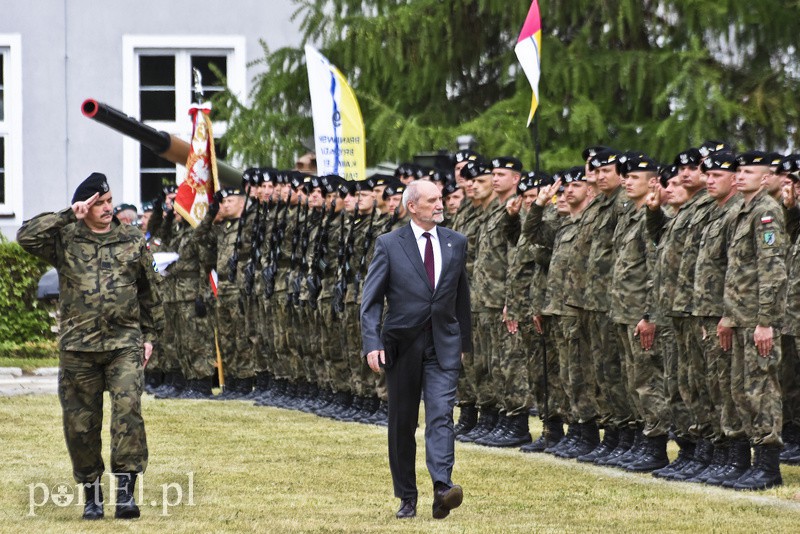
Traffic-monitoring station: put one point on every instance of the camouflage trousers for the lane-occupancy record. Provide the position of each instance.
(265, 345)
(756, 388)
(790, 380)
(165, 356)
(645, 381)
(82, 378)
(510, 371)
(334, 353)
(237, 360)
(725, 421)
(609, 369)
(466, 392)
(194, 341)
(488, 334)
(306, 335)
(680, 417)
(576, 369)
(544, 376)
(692, 376)
(363, 380)
(287, 366)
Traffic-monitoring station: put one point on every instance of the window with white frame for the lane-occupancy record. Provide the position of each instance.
(10, 127)
(159, 90)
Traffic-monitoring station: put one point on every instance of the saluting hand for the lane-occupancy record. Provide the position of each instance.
(513, 206)
(789, 200)
(546, 193)
(81, 208)
(653, 200)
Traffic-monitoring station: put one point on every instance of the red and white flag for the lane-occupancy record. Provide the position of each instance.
(197, 190)
(529, 53)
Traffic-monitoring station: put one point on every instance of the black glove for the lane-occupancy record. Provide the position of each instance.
(213, 208)
(200, 307)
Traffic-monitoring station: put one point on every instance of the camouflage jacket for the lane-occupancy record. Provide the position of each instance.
(632, 276)
(791, 321)
(491, 261)
(600, 257)
(577, 263)
(187, 277)
(526, 283)
(362, 255)
(107, 284)
(331, 254)
(712, 259)
(755, 282)
(671, 235)
(469, 224)
(701, 206)
(217, 242)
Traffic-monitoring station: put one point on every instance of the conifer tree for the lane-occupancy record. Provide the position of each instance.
(650, 75)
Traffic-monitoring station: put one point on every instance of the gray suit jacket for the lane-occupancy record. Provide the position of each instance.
(397, 274)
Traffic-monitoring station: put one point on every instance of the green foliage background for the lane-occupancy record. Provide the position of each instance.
(24, 320)
(653, 75)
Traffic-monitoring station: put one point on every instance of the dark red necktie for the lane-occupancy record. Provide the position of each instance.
(429, 259)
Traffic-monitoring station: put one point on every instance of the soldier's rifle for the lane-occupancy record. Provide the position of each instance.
(293, 257)
(345, 269)
(256, 238)
(392, 220)
(318, 263)
(362, 262)
(303, 268)
(276, 241)
(233, 261)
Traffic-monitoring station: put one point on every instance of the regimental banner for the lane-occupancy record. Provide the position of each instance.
(197, 190)
(338, 126)
(529, 53)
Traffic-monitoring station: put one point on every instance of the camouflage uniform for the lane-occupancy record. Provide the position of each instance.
(592, 261)
(217, 244)
(790, 360)
(576, 372)
(631, 299)
(709, 285)
(755, 292)
(488, 289)
(109, 307)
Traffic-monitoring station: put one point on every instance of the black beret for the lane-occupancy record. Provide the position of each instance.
(540, 179)
(395, 187)
(638, 162)
(525, 184)
(404, 169)
(123, 207)
(711, 146)
(147, 206)
(720, 161)
(381, 179)
(251, 176)
(169, 189)
(365, 185)
(666, 173)
(573, 174)
(435, 175)
(420, 172)
(330, 183)
(507, 162)
(754, 157)
(607, 156)
(95, 183)
(690, 156)
(789, 164)
(592, 151)
(775, 159)
(347, 187)
(449, 188)
(228, 192)
(268, 174)
(473, 169)
(314, 182)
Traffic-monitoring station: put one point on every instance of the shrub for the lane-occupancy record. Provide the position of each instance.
(22, 317)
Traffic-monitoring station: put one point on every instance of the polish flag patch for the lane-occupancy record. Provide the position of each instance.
(766, 219)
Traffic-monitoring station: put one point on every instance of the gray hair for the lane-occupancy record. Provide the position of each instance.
(411, 194)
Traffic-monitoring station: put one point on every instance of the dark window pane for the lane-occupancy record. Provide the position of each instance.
(149, 160)
(2, 170)
(152, 182)
(157, 105)
(2, 92)
(157, 70)
(210, 80)
(220, 149)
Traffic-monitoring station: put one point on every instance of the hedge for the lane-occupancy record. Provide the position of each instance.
(24, 320)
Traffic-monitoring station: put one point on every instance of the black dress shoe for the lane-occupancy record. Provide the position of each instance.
(446, 498)
(408, 509)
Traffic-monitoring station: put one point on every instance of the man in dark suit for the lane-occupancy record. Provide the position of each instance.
(419, 271)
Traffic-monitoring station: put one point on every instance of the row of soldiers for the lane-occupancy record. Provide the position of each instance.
(649, 300)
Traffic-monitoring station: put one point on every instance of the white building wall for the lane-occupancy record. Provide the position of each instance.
(73, 49)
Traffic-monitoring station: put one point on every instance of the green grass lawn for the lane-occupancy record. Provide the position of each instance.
(268, 470)
(29, 364)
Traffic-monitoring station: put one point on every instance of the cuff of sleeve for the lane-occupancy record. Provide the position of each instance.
(67, 215)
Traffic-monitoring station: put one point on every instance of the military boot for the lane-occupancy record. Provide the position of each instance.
(93, 500)
(486, 423)
(466, 419)
(355, 407)
(552, 433)
(654, 455)
(701, 460)
(199, 389)
(152, 380)
(766, 473)
(790, 454)
(229, 389)
(589, 439)
(368, 409)
(737, 465)
(604, 448)
(573, 434)
(624, 444)
(344, 406)
(500, 429)
(635, 452)
(126, 505)
(685, 455)
(260, 386)
(718, 462)
(517, 434)
(381, 415)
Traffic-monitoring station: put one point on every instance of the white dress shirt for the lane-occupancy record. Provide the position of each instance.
(437, 249)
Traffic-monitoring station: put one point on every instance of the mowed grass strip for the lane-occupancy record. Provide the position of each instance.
(253, 469)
